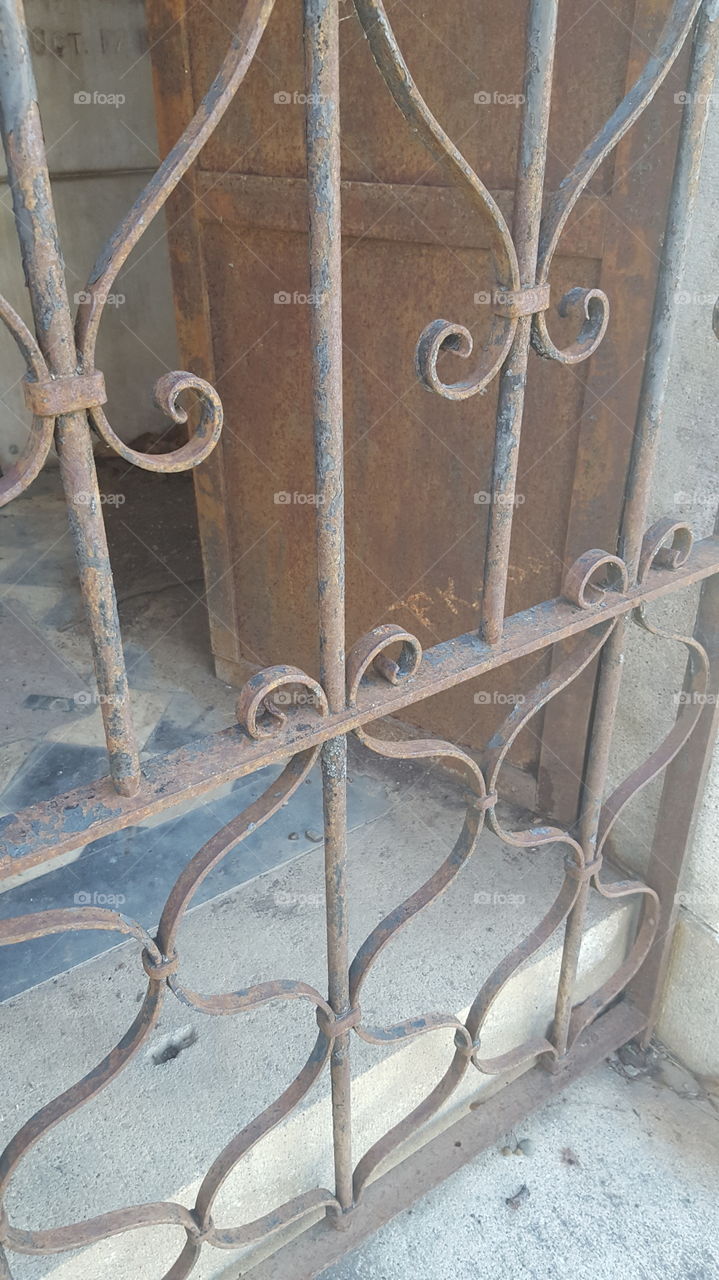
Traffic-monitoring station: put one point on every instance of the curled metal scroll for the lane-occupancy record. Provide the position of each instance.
(168, 389)
(445, 335)
(110, 261)
(21, 474)
(161, 964)
(592, 576)
(592, 305)
(257, 711)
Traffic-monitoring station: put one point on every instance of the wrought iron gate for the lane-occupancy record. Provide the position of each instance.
(386, 670)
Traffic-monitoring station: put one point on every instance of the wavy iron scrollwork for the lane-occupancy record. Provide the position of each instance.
(170, 387)
(21, 474)
(388, 654)
(536, 836)
(586, 585)
(393, 655)
(591, 306)
(258, 711)
(370, 654)
(161, 963)
(667, 544)
(118, 248)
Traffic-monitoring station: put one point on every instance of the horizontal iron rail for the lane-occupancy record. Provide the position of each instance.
(69, 821)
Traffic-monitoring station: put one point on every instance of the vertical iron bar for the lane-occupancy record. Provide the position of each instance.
(637, 495)
(323, 171)
(541, 43)
(683, 786)
(45, 278)
(705, 55)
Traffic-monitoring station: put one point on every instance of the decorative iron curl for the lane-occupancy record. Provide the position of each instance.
(582, 585)
(369, 654)
(202, 440)
(592, 305)
(118, 248)
(256, 698)
(21, 474)
(657, 554)
(445, 335)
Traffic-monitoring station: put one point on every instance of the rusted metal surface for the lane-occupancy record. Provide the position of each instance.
(387, 670)
(637, 197)
(531, 165)
(402, 222)
(61, 823)
(640, 551)
(57, 396)
(321, 32)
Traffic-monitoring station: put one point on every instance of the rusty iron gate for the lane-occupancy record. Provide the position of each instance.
(386, 671)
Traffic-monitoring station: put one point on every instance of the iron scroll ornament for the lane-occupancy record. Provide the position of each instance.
(170, 387)
(592, 306)
(509, 301)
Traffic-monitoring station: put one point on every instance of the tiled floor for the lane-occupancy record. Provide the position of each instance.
(52, 731)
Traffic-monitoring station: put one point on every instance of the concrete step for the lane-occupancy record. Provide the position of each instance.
(152, 1134)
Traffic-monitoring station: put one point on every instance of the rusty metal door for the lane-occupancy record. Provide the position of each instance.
(387, 670)
(413, 245)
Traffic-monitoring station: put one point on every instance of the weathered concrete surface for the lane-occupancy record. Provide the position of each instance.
(640, 1201)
